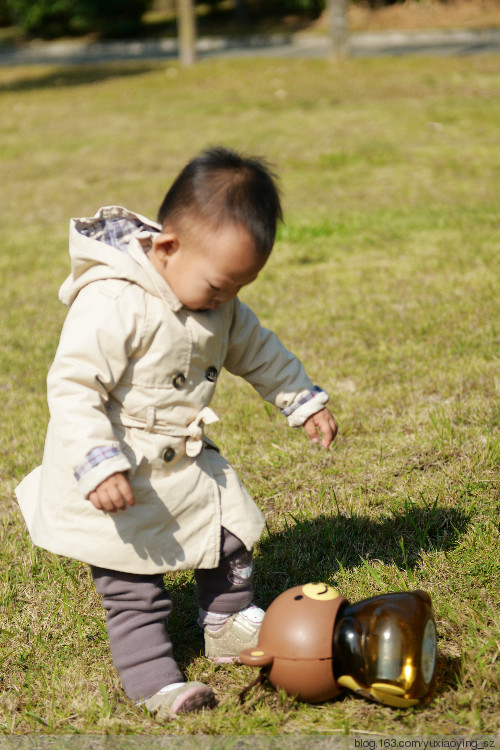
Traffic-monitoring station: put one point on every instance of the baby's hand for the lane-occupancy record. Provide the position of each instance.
(325, 422)
(115, 493)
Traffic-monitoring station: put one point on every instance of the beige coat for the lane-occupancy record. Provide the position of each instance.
(128, 391)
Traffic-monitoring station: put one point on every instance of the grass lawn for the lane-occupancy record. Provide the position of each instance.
(384, 280)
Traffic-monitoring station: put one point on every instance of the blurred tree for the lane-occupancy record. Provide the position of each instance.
(51, 18)
(288, 7)
(337, 11)
(374, 4)
(46, 18)
(245, 9)
(5, 16)
(114, 17)
(241, 12)
(187, 31)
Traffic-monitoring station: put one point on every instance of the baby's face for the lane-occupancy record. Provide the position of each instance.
(206, 267)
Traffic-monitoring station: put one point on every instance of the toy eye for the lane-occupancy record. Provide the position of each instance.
(298, 597)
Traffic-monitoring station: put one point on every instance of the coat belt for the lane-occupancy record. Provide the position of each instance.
(193, 432)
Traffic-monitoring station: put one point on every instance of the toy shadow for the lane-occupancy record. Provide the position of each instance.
(448, 670)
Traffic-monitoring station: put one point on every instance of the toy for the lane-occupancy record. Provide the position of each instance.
(313, 643)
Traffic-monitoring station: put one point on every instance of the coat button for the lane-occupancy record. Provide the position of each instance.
(211, 374)
(178, 380)
(168, 454)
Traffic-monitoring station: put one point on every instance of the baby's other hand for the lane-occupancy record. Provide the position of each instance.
(324, 422)
(113, 494)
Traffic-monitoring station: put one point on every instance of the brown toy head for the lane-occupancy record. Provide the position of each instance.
(295, 643)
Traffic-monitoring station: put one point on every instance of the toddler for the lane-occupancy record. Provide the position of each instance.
(129, 483)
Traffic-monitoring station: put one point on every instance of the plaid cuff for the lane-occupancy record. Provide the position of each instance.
(94, 458)
(297, 404)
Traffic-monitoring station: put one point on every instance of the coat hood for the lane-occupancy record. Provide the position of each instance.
(113, 244)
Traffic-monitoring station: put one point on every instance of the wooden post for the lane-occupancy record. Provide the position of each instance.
(186, 34)
(337, 10)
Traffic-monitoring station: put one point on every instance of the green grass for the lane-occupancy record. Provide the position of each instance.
(384, 281)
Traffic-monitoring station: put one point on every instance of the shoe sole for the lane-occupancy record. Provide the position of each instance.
(193, 700)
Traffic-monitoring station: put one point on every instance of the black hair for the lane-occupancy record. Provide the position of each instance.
(222, 186)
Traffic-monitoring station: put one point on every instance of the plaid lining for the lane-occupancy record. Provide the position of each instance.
(308, 397)
(116, 231)
(94, 458)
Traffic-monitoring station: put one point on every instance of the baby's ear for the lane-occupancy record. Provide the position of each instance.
(165, 244)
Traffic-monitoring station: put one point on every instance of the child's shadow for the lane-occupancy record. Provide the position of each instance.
(316, 549)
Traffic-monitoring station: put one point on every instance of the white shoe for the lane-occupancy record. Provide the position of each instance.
(240, 631)
(180, 698)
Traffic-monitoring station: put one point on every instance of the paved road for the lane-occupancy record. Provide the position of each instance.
(395, 43)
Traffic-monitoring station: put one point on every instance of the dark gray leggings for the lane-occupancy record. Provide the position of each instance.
(137, 606)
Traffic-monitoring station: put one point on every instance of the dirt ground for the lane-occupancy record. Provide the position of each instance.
(425, 14)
